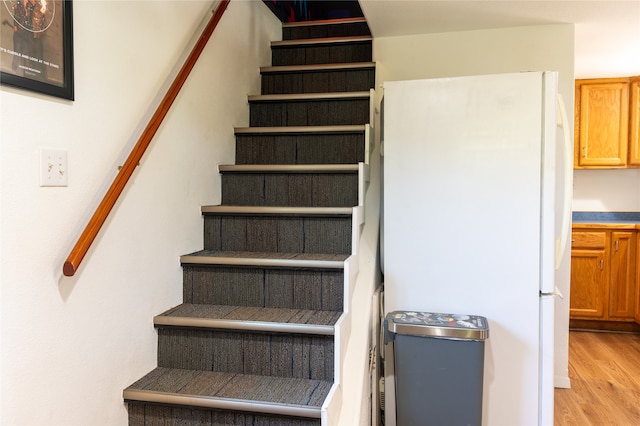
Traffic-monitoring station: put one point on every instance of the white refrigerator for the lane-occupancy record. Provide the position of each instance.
(471, 223)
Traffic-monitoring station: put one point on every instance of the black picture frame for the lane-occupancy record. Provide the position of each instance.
(38, 54)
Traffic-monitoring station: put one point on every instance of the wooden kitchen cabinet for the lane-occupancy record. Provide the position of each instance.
(589, 275)
(622, 284)
(634, 123)
(603, 275)
(637, 316)
(601, 123)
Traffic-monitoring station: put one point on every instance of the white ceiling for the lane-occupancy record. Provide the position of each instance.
(607, 32)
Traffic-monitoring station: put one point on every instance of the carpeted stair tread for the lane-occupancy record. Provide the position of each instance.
(317, 67)
(278, 211)
(300, 130)
(289, 168)
(309, 96)
(321, 40)
(325, 28)
(265, 394)
(265, 259)
(252, 318)
(322, 22)
(331, 28)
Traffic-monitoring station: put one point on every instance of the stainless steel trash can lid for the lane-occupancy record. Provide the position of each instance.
(432, 324)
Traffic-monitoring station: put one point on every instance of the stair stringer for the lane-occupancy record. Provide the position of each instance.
(369, 143)
(332, 406)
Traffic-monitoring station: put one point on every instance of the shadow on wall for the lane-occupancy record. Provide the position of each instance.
(311, 10)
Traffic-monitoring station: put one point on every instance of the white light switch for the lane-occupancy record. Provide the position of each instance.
(53, 167)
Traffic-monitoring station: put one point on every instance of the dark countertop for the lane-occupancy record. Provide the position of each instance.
(606, 217)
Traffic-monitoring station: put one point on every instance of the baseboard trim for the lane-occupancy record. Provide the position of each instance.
(562, 382)
(596, 325)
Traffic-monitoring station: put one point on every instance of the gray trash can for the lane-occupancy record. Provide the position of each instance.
(439, 366)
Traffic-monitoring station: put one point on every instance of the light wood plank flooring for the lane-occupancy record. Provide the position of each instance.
(604, 369)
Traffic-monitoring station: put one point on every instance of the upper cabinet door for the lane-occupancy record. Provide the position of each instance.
(634, 123)
(602, 117)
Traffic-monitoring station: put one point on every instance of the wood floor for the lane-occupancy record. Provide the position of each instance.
(604, 369)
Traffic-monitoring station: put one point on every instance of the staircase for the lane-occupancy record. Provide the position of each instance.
(260, 334)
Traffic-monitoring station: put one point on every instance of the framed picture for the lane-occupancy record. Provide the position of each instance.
(36, 46)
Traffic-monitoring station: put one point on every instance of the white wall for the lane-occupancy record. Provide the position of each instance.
(607, 190)
(535, 48)
(71, 345)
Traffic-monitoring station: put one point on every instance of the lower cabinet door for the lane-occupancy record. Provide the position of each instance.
(622, 285)
(589, 285)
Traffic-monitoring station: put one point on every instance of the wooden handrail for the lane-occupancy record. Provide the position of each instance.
(102, 212)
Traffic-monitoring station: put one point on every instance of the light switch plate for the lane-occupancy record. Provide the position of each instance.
(53, 167)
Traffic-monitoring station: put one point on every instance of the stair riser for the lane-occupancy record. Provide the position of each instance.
(310, 113)
(322, 31)
(278, 234)
(266, 354)
(154, 415)
(318, 81)
(295, 190)
(262, 287)
(312, 55)
(343, 148)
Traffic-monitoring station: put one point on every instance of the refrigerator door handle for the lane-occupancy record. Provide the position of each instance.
(561, 242)
(555, 293)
